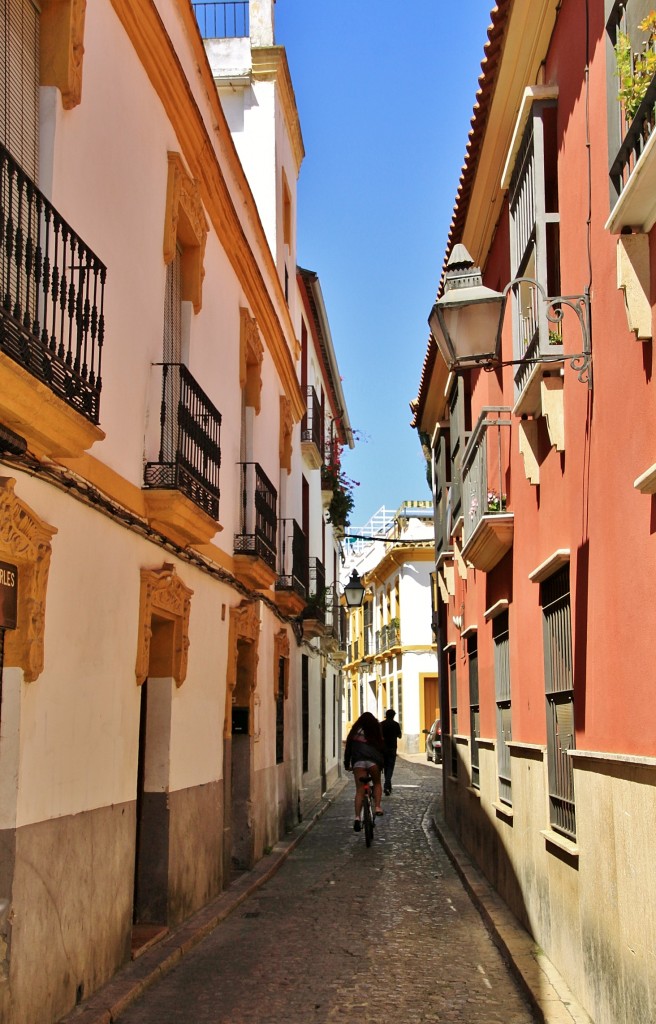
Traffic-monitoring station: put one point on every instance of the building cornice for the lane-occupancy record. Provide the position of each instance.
(154, 48)
(270, 63)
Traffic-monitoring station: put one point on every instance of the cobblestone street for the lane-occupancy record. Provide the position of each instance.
(346, 933)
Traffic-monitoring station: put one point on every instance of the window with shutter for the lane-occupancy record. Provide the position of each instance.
(501, 638)
(19, 109)
(559, 682)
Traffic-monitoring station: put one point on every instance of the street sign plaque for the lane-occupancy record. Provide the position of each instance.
(8, 595)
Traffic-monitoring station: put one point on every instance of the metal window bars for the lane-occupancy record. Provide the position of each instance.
(189, 456)
(223, 19)
(52, 284)
(312, 425)
(257, 514)
(558, 670)
(292, 557)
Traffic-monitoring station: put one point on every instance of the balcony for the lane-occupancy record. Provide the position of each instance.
(222, 20)
(292, 582)
(388, 637)
(181, 480)
(312, 431)
(334, 637)
(633, 169)
(488, 526)
(443, 501)
(51, 322)
(538, 346)
(314, 614)
(255, 543)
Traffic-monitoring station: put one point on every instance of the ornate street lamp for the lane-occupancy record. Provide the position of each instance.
(354, 591)
(467, 320)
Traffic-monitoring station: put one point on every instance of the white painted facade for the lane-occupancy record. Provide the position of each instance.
(142, 626)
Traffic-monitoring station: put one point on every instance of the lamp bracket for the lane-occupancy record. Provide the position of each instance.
(555, 305)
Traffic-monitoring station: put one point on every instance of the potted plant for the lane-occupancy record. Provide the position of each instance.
(635, 70)
(496, 502)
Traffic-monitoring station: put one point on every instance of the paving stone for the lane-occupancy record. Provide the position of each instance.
(343, 932)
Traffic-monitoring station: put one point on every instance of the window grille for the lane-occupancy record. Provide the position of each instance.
(474, 707)
(335, 710)
(280, 713)
(305, 710)
(501, 639)
(399, 703)
(534, 238)
(559, 684)
(453, 689)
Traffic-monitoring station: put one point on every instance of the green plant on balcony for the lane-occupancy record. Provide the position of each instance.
(395, 623)
(315, 604)
(635, 70)
(496, 502)
(334, 479)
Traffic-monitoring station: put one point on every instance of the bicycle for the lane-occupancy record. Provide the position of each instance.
(368, 809)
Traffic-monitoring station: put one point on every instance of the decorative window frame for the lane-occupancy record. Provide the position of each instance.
(186, 227)
(286, 429)
(163, 593)
(251, 356)
(25, 539)
(62, 48)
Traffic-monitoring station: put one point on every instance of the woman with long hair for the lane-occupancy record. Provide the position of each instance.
(364, 755)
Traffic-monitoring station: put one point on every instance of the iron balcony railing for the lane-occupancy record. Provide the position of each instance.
(189, 457)
(51, 314)
(257, 515)
(387, 637)
(222, 20)
(311, 427)
(292, 558)
(316, 590)
(484, 467)
(335, 618)
(443, 515)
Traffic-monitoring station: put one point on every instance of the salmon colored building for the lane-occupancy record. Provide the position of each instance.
(544, 456)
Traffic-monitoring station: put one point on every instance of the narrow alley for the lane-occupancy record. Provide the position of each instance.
(342, 932)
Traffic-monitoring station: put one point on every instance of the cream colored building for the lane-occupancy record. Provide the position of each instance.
(391, 659)
(157, 695)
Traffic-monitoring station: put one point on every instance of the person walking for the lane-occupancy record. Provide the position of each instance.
(364, 755)
(391, 731)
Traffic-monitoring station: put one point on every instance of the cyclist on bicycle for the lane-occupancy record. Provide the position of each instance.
(364, 755)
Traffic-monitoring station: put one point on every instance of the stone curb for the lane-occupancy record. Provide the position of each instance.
(106, 1005)
(546, 990)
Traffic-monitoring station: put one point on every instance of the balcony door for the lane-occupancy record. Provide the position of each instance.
(19, 106)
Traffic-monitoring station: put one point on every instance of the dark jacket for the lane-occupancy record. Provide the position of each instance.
(391, 733)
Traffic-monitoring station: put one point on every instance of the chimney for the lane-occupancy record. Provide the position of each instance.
(261, 22)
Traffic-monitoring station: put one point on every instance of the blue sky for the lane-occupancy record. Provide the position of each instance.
(385, 92)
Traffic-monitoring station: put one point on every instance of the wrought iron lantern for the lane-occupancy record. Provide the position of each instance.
(354, 591)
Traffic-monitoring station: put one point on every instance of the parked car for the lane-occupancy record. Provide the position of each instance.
(434, 742)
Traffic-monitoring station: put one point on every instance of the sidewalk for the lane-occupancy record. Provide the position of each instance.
(543, 986)
(106, 1005)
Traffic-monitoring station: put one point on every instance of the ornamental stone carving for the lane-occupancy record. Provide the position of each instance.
(25, 541)
(185, 226)
(163, 594)
(62, 48)
(251, 354)
(286, 427)
(244, 628)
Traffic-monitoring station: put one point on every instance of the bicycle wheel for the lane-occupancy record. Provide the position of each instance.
(368, 821)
